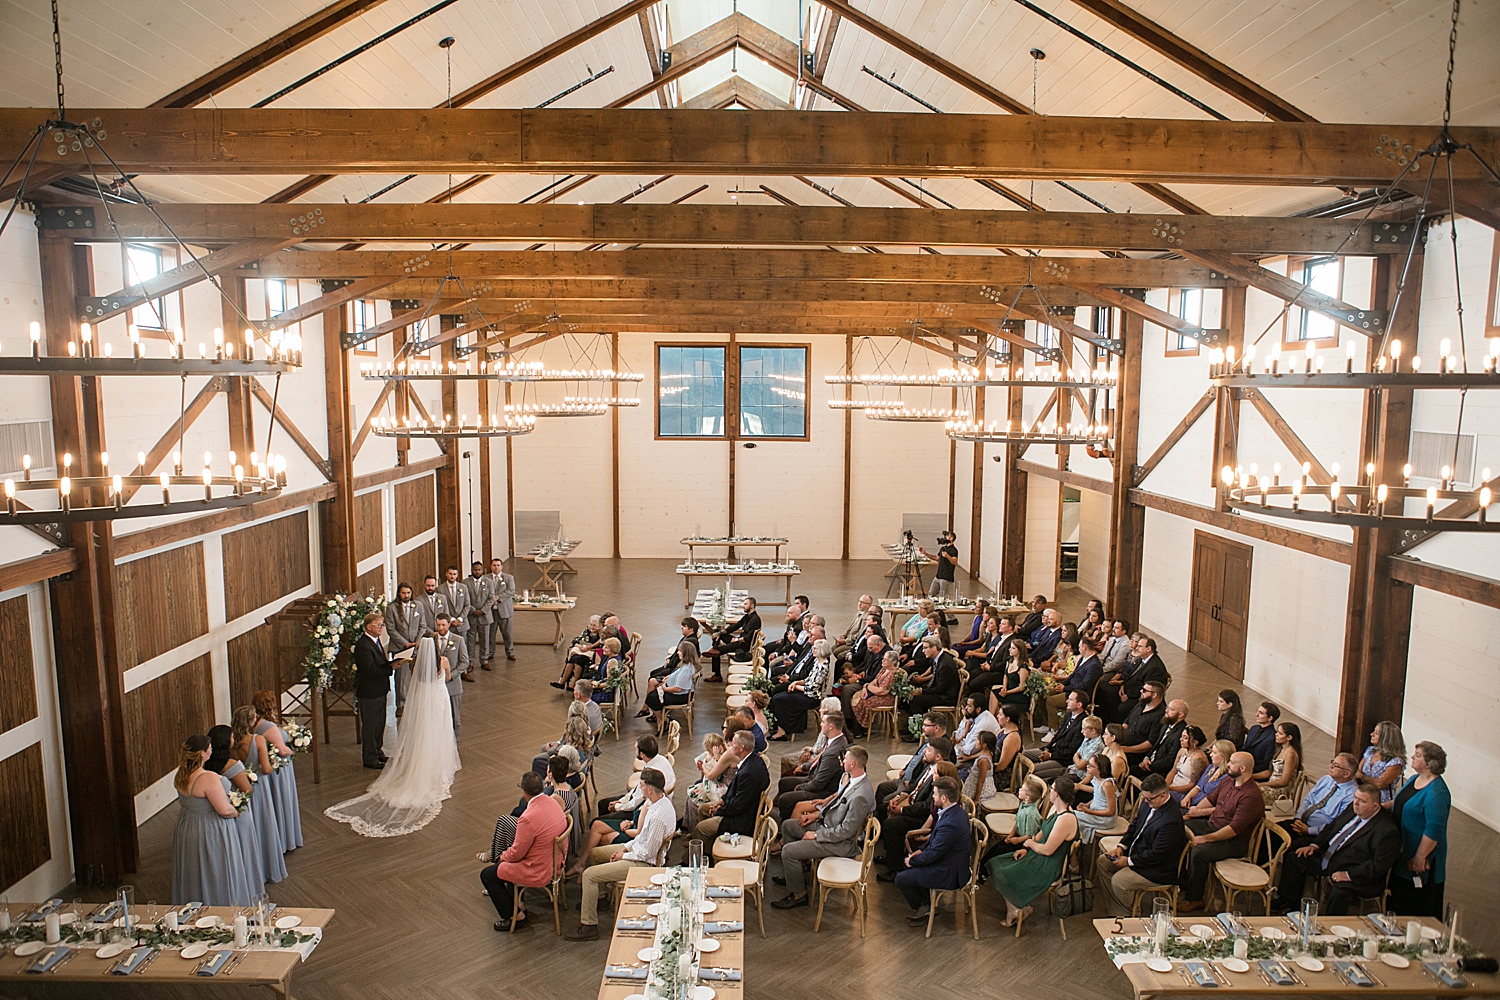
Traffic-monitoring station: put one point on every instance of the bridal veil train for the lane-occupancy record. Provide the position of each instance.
(410, 790)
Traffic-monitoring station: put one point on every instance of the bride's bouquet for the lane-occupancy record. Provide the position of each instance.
(240, 800)
(298, 737)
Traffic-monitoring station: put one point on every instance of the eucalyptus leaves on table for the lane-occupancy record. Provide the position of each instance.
(1185, 948)
(72, 934)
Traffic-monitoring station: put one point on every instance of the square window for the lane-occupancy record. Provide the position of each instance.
(1321, 274)
(773, 392)
(145, 262)
(690, 391)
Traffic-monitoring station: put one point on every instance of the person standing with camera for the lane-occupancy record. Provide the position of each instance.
(947, 562)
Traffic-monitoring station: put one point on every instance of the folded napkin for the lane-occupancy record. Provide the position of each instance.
(1201, 974)
(723, 926)
(106, 913)
(213, 966)
(1385, 926)
(49, 958)
(1352, 972)
(187, 911)
(724, 975)
(635, 924)
(1230, 925)
(133, 962)
(1276, 972)
(626, 971)
(50, 906)
(724, 892)
(1445, 975)
(642, 892)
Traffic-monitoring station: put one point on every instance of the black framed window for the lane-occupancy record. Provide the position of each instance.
(144, 262)
(773, 391)
(690, 391)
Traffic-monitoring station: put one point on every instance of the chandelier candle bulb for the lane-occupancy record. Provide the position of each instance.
(1431, 501)
(1380, 494)
(1276, 474)
(26, 468)
(10, 497)
(1395, 350)
(166, 492)
(72, 349)
(64, 492)
(1311, 352)
(1349, 350)
(208, 484)
(36, 341)
(86, 333)
(117, 486)
(1485, 497)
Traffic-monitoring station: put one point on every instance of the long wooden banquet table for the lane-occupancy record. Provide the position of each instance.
(257, 965)
(1389, 981)
(626, 945)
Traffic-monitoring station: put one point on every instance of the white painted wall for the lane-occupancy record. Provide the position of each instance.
(1093, 543)
(1043, 518)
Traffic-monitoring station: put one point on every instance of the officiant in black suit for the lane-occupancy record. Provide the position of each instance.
(372, 682)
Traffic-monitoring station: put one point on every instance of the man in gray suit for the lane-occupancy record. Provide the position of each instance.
(502, 606)
(450, 644)
(832, 832)
(404, 627)
(823, 774)
(477, 587)
(456, 596)
(431, 603)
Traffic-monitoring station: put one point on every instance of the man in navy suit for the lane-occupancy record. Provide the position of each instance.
(1085, 675)
(943, 862)
(1355, 851)
(1149, 852)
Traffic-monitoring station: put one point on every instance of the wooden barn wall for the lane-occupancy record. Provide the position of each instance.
(160, 603)
(369, 533)
(161, 713)
(265, 561)
(24, 829)
(416, 507)
(255, 664)
(17, 665)
(420, 561)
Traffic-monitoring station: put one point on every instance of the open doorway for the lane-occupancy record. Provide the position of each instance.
(1067, 537)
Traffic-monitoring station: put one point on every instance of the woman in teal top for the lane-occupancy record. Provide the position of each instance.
(1421, 810)
(1023, 876)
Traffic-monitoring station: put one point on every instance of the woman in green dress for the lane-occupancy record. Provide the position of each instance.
(1023, 876)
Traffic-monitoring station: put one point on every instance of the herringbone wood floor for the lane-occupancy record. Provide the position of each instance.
(411, 921)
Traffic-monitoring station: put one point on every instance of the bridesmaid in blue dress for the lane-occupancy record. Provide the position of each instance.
(253, 755)
(208, 863)
(220, 739)
(283, 781)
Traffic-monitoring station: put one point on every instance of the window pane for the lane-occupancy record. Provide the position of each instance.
(1321, 275)
(691, 398)
(275, 298)
(144, 263)
(1190, 309)
(773, 391)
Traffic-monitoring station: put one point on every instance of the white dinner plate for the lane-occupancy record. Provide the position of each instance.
(1344, 932)
(636, 996)
(657, 909)
(1273, 933)
(195, 950)
(1310, 964)
(660, 878)
(1159, 964)
(1431, 934)
(30, 948)
(707, 906)
(68, 918)
(111, 950)
(648, 954)
(708, 944)
(703, 993)
(1394, 960)
(1236, 964)
(209, 921)
(288, 922)
(1203, 931)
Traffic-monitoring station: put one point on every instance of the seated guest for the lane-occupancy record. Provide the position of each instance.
(1093, 614)
(1103, 807)
(1421, 809)
(793, 661)
(1166, 741)
(979, 779)
(574, 747)
(1012, 687)
(623, 805)
(976, 629)
(1222, 825)
(1214, 775)
(803, 694)
(675, 689)
(859, 703)
(608, 659)
(975, 654)
(1086, 673)
(799, 763)
(1113, 734)
(1328, 797)
(528, 860)
(793, 633)
(976, 719)
(806, 660)
(1116, 649)
(1033, 796)
(717, 766)
(943, 862)
(686, 651)
(1024, 875)
(856, 629)
(735, 639)
(942, 690)
(554, 783)
(1355, 852)
(1033, 621)
(1384, 761)
(1142, 666)
(1009, 742)
(916, 658)
(1260, 740)
(1231, 717)
(1045, 639)
(580, 653)
(1144, 724)
(658, 822)
(736, 811)
(1093, 625)
(934, 724)
(1190, 764)
(908, 810)
(1287, 763)
(1148, 855)
(583, 707)
(823, 773)
(1052, 759)
(831, 830)
(754, 712)
(864, 660)
(990, 673)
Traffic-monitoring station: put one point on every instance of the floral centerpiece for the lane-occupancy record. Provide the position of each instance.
(717, 615)
(338, 625)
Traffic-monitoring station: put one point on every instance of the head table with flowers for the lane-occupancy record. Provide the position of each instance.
(679, 935)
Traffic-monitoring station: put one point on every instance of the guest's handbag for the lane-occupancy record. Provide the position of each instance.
(1074, 895)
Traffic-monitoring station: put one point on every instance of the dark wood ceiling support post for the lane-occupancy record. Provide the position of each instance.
(510, 488)
(1377, 621)
(1127, 534)
(848, 438)
(90, 684)
(486, 508)
(976, 485)
(403, 395)
(340, 565)
(1227, 401)
(449, 503)
(241, 416)
(1013, 524)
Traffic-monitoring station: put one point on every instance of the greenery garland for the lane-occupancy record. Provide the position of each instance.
(71, 934)
(338, 625)
(1185, 948)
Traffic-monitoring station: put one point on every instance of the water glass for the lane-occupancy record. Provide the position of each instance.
(1161, 921)
(4, 914)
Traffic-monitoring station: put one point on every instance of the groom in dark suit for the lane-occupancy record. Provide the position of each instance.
(372, 682)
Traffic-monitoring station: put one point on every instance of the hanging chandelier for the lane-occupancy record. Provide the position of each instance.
(571, 406)
(1079, 433)
(266, 479)
(495, 426)
(493, 371)
(865, 404)
(93, 355)
(1360, 504)
(903, 414)
(966, 377)
(1279, 370)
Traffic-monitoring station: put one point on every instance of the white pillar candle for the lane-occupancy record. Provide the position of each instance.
(1241, 947)
(1413, 932)
(171, 920)
(241, 931)
(1372, 949)
(54, 928)
(4, 918)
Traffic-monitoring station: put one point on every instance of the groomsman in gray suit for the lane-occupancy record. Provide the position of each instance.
(477, 586)
(832, 832)
(456, 595)
(403, 628)
(502, 606)
(450, 644)
(431, 603)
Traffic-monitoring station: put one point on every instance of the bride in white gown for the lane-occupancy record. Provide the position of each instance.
(410, 790)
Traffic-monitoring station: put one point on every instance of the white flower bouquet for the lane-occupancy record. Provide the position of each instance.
(240, 800)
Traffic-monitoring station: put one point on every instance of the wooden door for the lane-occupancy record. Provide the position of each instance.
(1220, 605)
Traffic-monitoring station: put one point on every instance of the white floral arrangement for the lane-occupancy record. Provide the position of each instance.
(240, 800)
(254, 777)
(299, 738)
(339, 623)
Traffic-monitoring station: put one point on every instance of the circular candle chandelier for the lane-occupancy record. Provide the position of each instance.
(571, 406)
(968, 377)
(107, 497)
(1360, 504)
(492, 371)
(496, 426)
(1079, 433)
(913, 415)
(93, 355)
(865, 404)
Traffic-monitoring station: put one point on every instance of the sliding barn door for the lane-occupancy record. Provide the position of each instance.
(1220, 602)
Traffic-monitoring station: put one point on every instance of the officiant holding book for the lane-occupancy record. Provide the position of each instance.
(372, 683)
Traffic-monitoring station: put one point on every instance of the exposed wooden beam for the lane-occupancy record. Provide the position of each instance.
(1453, 582)
(1317, 545)
(1294, 444)
(336, 518)
(832, 144)
(1127, 519)
(739, 264)
(719, 225)
(292, 431)
(35, 569)
(1074, 479)
(194, 527)
(655, 46)
(366, 424)
(328, 301)
(738, 89)
(1194, 60)
(1183, 426)
(397, 473)
(1149, 313)
(1356, 318)
(95, 309)
(168, 442)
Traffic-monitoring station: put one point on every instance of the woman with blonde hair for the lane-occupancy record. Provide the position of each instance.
(283, 780)
(1213, 776)
(208, 862)
(253, 753)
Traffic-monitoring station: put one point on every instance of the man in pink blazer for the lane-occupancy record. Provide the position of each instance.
(528, 862)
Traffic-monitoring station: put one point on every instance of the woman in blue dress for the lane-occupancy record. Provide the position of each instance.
(208, 861)
(254, 755)
(222, 763)
(283, 779)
